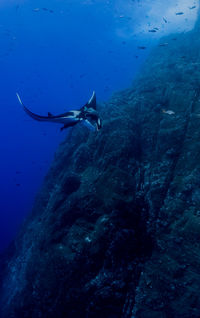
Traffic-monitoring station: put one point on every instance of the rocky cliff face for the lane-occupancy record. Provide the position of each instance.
(115, 231)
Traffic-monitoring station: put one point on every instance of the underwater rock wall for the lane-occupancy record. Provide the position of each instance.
(115, 230)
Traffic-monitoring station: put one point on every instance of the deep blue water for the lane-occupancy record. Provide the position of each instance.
(55, 53)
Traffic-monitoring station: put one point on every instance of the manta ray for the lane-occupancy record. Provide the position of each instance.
(86, 114)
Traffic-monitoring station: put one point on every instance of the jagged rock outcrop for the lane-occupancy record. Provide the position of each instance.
(115, 229)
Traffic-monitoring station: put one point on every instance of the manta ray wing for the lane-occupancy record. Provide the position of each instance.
(91, 103)
(67, 118)
(33, 115)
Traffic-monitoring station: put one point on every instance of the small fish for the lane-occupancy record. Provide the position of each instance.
(169, 112)
(164, 20)
(36, 9)
(156, 29)
(179, 13)
(82, 75)
(192, 7)
(152, 30)
(141, 47)
(106, 88)
(48, 10)
(163, 44)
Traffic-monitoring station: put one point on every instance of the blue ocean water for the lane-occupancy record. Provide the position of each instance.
(54, 54)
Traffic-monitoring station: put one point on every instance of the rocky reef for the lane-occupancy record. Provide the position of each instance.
(115, 230)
